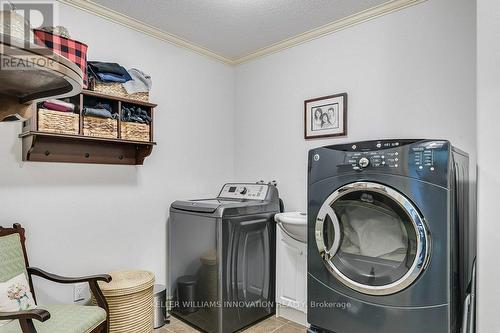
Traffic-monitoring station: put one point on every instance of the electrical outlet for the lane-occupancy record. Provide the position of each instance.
(79, 292)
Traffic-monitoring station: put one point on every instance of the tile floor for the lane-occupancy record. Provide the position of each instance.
(271, 324)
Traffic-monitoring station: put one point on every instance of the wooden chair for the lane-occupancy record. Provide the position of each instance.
(48, 319)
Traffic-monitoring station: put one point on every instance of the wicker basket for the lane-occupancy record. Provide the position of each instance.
(135, 131)
(116, 89)
(209, 278)
(130, 300)
(58, 122)
(100, 127)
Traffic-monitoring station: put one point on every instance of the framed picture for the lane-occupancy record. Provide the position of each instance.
(325, 116)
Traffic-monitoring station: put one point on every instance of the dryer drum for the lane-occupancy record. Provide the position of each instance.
(372, 238)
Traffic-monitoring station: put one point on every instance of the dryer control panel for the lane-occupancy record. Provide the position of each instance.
(421, 156)
(427, 160)
(376, 159)
(244, 191)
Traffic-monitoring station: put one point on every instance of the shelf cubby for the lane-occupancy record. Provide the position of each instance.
(53, 147)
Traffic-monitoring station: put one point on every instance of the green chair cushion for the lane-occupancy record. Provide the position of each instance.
(11, 257)
(64, 319)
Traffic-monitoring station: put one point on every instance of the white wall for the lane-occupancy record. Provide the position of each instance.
(488, 159)
(408, 74)
(84, 219)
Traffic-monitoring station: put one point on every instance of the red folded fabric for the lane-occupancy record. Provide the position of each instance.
(56, 107)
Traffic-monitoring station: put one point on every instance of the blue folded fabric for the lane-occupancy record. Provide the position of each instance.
(105, 106)
(108, 72)
(107, 67)
(101, 113)
(110, 77)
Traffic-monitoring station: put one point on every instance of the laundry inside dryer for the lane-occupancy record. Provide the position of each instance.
(377, 246)
(372, 229)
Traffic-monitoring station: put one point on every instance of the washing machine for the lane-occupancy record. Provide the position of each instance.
(391, 238)
(222, 254)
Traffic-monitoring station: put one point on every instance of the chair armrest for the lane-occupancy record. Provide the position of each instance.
(67, 280)
(26, 318)
(27, 325)
(37, 314)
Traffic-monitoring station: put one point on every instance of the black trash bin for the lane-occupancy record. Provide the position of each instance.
(186, 293)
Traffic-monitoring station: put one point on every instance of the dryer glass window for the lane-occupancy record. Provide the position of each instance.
(329, 233)
(378, 242)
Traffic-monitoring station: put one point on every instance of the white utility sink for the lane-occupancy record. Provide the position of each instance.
(294, 224)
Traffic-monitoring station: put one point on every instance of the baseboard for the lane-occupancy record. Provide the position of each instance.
(292, 314)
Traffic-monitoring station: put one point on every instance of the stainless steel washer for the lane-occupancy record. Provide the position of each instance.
(223, 251)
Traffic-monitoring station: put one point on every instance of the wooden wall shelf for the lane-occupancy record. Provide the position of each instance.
(39, 146)
(30, 73)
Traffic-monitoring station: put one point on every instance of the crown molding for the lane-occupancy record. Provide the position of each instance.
(129, 22)
(349, 21)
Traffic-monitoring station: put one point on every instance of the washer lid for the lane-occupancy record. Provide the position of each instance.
(199, 206)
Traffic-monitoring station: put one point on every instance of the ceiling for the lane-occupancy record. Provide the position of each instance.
(235, 30)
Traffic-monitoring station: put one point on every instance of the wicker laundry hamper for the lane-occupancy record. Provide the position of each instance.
(208, 278)
(130, 301)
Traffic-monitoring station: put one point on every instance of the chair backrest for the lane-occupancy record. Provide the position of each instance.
(13, 257)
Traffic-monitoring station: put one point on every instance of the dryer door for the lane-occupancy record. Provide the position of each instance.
(372, 238)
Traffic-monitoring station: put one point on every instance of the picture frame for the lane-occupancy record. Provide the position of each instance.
(325, 116)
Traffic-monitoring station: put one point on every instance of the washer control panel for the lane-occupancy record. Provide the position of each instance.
(244, 191)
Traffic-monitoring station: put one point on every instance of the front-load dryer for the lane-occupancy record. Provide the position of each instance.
(391, 239)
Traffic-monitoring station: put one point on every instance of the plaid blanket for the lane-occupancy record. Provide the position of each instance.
(71, 49)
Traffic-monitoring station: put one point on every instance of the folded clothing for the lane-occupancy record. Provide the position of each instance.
(135, 114)
(108, 72)
(141, 82)
(105, 106)
(107, 67)
(110, 77)
(70, 106)
(56, 105)
(101, 110)
(100, 113)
